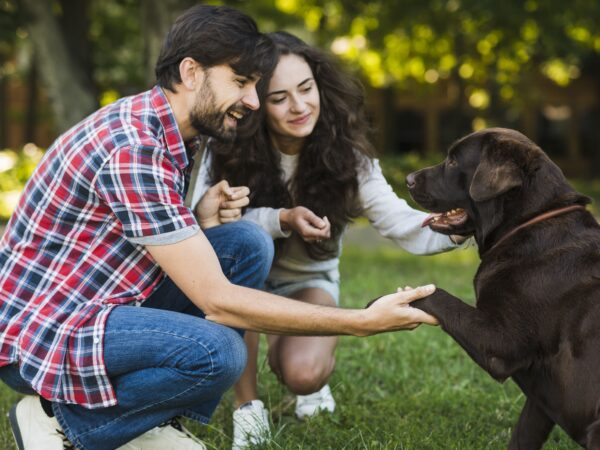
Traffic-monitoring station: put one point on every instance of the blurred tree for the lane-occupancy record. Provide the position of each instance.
(157, 17)
(90, 51)
(8, 42)
(61, 53)
(492, 47)
(97, 50)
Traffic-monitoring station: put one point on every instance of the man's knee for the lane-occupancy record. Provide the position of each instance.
(254, 250)
(229, 356)
(255, 241)
(218, 355)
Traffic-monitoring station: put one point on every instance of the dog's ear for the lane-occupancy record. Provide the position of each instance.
(493, 178)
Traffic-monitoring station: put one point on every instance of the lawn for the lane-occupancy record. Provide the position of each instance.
(404, 390)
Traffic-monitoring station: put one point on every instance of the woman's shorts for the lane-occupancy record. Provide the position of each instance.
(288, 282)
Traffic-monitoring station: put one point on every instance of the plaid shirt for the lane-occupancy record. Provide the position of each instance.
(74, 247)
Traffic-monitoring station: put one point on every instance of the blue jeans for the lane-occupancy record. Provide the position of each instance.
(164, 359)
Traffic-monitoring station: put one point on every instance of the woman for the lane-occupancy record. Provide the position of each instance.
(310, 170)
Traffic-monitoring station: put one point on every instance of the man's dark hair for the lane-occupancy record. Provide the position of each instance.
(214, 35)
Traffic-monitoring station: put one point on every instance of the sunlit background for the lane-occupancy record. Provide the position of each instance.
(433, 70)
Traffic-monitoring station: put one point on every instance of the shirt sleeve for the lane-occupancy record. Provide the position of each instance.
(144, 189)
(393, 218)
(268, 220)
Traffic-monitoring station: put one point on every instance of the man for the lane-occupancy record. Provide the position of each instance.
(102, 228)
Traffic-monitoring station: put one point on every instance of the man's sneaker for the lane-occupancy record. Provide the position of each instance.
(33, 429)
(311, 404)
(250, 425)
(171, 435)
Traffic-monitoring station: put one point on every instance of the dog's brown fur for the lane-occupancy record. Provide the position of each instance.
(537, 317)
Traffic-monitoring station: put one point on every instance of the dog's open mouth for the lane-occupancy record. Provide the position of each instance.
(446, 221)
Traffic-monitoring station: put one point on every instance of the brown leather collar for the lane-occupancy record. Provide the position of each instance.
(536, 219)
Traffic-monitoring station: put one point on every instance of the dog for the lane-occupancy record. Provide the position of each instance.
(537, 313)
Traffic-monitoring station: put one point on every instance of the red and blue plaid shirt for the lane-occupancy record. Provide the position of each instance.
(75, 246)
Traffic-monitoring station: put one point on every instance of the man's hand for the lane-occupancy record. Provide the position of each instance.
(221, 204)
(306, 223)
(393, 312)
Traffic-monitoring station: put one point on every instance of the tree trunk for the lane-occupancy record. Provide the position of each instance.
(32, 103)
(3, 112)
(75, 25)
(65, 81)
(157, 18)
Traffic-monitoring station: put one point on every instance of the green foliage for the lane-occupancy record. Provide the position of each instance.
(8, 19)
(15, 169)
(489, 55)
(483, 41)
(396, 167)
(118, 54)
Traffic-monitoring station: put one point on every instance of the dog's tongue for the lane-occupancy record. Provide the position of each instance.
(430, 219)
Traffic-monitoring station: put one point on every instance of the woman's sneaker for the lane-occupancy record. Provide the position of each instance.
(311, 404)
(250, 425)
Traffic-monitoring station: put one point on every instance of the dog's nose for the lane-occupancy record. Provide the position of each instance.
(411, 180)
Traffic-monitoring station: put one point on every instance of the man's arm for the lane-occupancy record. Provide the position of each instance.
(193, 265)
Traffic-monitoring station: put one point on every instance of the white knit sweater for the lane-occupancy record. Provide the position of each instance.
(391, 216)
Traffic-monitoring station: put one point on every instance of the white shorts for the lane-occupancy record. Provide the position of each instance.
(287, 282)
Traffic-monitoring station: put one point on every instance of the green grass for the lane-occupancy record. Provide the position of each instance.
(404, 390)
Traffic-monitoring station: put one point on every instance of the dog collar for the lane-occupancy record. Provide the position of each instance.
(536, 219)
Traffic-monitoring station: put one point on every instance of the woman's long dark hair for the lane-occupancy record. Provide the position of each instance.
(326, 179)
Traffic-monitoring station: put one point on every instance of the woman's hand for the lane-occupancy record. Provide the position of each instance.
(221, 204)
(393, 312)
(306, 223)
(458, 239)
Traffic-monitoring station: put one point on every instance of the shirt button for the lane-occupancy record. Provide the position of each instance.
(96, 340)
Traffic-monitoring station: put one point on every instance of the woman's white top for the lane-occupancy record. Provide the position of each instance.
(391, 216)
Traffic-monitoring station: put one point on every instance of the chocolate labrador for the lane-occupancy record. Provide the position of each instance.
(537, 315)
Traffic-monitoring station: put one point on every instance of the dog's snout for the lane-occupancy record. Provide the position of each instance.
(411, 180)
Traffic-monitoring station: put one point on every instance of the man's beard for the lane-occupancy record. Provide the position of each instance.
(206, 117)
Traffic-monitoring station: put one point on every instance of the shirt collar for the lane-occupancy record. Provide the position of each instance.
(173, 138)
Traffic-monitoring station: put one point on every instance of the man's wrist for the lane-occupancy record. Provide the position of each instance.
(360, 323)
(205, 223)
(208, 223)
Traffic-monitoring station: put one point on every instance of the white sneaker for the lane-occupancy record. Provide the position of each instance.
(311, 404)
(33, 429)
(250, 425)
(168, 436)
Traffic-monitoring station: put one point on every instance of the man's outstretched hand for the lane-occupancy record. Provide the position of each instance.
(395, 309)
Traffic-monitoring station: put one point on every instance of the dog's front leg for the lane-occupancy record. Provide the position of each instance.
(532, 429)
(485, 340)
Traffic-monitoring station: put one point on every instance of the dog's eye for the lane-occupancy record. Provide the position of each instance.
(451, 163)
